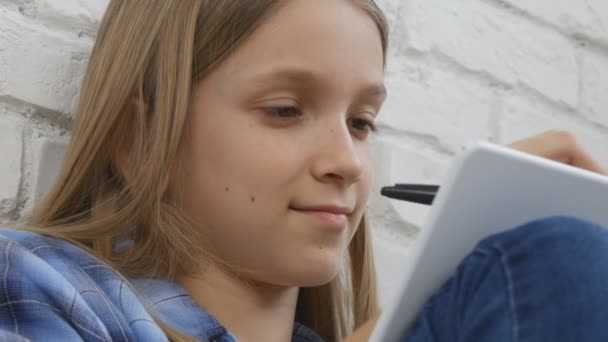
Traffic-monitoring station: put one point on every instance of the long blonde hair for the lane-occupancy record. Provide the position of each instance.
(153, 52)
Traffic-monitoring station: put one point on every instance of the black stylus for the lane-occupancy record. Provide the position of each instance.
(417, 193)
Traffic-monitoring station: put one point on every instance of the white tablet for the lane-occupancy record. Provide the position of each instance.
(488, 189)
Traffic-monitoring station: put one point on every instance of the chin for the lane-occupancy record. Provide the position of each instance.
(317, 280)
(317, 272)
(305, 267)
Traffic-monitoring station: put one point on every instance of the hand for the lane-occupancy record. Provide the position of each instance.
(560, 146)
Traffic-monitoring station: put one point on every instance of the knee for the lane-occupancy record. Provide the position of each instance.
(550, 230)
(556, 270)
(555, 243)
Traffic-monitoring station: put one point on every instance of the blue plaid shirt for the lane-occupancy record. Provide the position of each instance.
(53, 290)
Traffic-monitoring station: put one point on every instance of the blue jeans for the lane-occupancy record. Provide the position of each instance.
(544, 281)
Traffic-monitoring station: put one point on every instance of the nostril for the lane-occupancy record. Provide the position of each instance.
(334, 176)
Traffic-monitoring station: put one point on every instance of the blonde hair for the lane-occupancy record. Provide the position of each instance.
(153, 52)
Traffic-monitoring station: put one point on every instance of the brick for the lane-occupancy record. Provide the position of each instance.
(49, 158)
(9, 5)
(486, 39)
(40, 67)
(77, 16)
(522, 119)
(588, 18)
(594, 74)
(436, 104)
(11, 149)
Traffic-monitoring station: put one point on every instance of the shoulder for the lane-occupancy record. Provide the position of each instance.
(51, 285)
(23, 240)
(45, 261)
(23, 251)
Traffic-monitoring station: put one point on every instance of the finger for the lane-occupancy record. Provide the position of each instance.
(559, 146)
(563, 147)
(547, 145)
(580, 158)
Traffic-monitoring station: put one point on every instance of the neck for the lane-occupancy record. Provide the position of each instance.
(250, 311)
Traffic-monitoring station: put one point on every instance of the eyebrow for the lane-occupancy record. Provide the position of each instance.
(299, 75)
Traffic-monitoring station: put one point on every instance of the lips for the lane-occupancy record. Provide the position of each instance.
(334, 209)
(329, 215)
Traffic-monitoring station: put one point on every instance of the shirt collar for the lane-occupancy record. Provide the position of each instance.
(170, 302)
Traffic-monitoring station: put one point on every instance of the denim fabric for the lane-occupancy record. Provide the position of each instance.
(51, 290)
(544, 281)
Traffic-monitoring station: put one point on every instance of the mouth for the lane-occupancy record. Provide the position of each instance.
(335, 217)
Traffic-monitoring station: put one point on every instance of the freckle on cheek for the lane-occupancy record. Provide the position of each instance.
(227, 189)
(252, 199)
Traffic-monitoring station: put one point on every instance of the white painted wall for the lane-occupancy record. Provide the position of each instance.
(459, 71)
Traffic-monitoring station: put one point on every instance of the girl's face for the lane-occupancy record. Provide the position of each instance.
(277, 165)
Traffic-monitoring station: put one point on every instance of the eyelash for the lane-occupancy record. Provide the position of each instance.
(279, 112)
(273, 111)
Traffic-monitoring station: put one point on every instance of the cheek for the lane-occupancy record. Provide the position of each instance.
(365, 184)
(235, 177)
(363, 188)
(231, 152)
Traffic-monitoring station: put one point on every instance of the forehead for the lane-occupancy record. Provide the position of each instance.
(324, 37)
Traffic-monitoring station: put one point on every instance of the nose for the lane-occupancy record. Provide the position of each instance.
(339, 156)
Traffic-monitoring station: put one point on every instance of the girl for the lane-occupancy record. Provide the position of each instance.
(216, 183)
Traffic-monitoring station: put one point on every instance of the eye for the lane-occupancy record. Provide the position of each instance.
(283, 112)
(362, 125)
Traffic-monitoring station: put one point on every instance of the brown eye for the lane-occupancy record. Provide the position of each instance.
(362, 125)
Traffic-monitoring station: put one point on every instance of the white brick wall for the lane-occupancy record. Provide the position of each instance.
(11, 142)
(459, 71)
